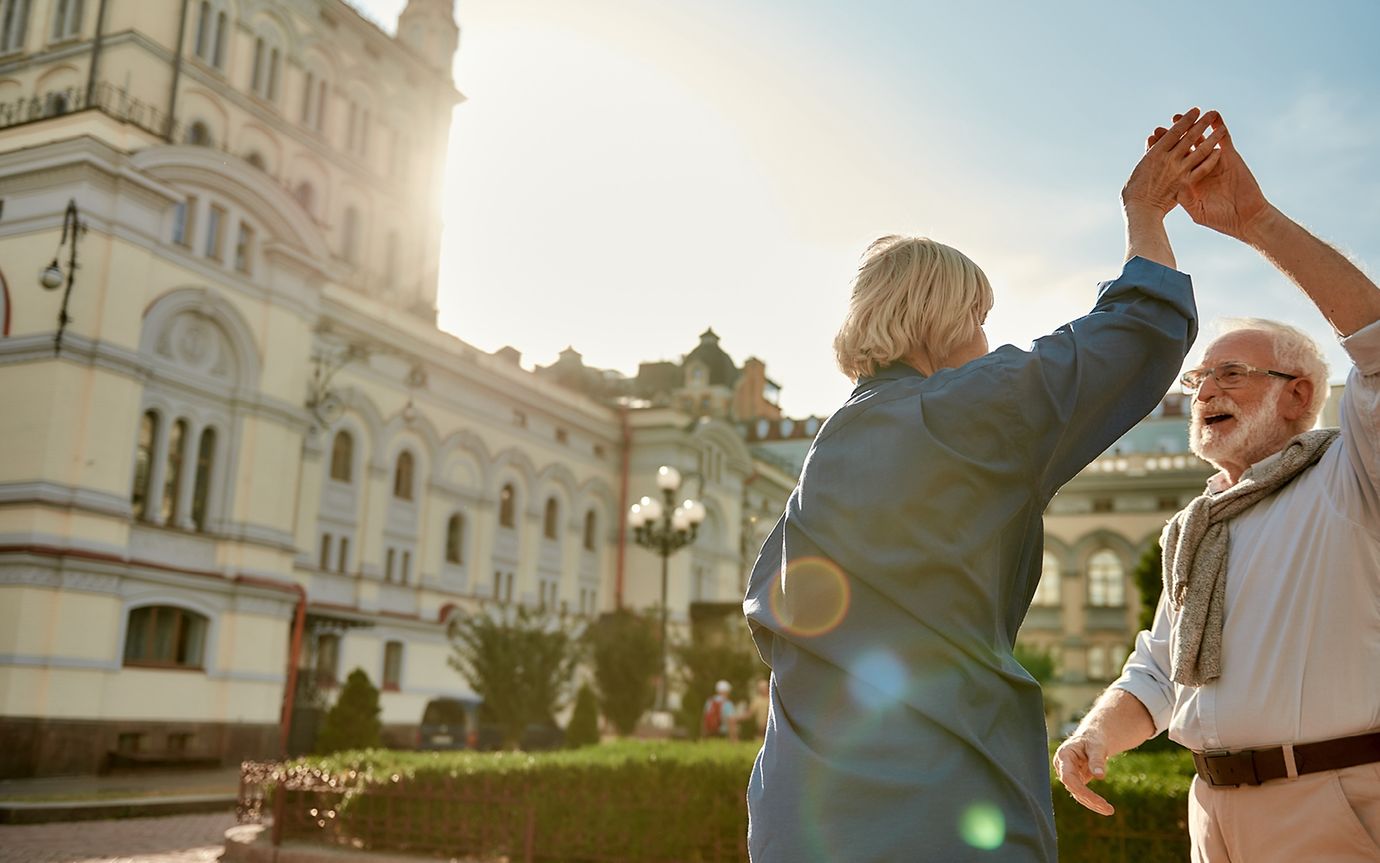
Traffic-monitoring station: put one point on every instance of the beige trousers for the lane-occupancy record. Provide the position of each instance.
(1327, 817)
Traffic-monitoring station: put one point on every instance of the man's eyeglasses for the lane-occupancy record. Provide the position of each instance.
(1228, 376)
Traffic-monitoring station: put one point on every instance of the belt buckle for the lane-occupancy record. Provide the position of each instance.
(1227, 769)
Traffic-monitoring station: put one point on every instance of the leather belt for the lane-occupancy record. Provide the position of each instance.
(1221, 768)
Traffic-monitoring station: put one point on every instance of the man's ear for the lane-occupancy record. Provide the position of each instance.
(1296, 399)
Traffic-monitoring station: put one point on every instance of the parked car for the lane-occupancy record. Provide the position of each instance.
(450, 723)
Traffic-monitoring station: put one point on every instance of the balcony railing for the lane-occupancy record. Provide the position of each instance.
(107, 98)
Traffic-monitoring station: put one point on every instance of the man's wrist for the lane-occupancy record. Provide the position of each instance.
(1142, 213)
(1264, 228)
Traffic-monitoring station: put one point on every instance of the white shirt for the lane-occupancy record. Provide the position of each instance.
(1301, 637)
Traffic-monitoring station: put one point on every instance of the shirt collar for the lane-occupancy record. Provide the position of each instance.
(893, 372)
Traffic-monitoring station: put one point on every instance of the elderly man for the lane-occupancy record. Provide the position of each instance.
(887, 598)
(1264, 656)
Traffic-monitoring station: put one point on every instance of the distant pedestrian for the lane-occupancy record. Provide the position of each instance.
(759, 707)
(719, 710)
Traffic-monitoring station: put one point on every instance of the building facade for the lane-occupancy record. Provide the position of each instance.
(249, 409)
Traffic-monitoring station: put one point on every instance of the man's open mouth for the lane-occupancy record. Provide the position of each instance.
(1214, 419)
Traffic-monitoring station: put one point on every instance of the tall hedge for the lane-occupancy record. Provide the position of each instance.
(353, 721)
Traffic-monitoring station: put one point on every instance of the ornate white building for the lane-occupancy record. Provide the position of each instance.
(252, 409)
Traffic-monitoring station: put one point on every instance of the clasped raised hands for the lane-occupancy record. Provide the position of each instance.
(1175, 158)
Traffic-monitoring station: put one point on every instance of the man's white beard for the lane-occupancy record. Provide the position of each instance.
(1258, 434)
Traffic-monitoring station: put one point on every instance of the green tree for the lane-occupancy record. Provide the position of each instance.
(1150, 580)
(519, 661)
(626, 650)
(583, 729)
(719, 650)
(353, 722)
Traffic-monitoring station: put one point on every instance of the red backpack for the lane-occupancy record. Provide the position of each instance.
(713, 717)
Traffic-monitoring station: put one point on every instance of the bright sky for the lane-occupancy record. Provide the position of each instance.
(626, 173)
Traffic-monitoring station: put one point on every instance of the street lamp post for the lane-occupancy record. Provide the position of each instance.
(52, 277)
(665, 527)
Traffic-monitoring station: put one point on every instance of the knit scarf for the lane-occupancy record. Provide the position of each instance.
(1195, 556)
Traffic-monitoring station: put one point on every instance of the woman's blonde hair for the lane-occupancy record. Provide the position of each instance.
(910, 294)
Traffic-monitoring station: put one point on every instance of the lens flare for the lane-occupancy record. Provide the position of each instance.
(983, 826)
(811, 598)
(878, 680)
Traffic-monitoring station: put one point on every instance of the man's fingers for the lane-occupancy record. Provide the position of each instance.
(1097, 757)
(1205, 148)
(1205, 167)
(1176, 131)
(1092, 800)
(1193, 136)
(1071, 766)
(1159, 133)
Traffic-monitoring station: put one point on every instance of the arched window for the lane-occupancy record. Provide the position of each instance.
(591, 525)
(506, 506)
(550, 518)
(349, 235)
(172, 477)
(256, 159)
(1106, 581)
(143, 463)
(342, 457)
(1047, 591)
(402, 476)
(267, 66)
(455, 539)
(210, 34)
(165, 636)
(14, 23)
(201, 488)
(199, 134)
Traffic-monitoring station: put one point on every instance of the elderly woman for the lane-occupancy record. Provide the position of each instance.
(888, 596)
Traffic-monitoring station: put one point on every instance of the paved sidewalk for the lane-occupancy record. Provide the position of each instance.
(178, 839)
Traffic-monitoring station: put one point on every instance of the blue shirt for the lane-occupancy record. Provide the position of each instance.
(888, 597)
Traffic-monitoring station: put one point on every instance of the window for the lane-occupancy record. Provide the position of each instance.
(172, 480)
(199, 134)
(550, 519)
(1097, 662)
(388, 565)
(201, 482)
(342, 457)
(327, 660)
(256, 159)
(321, 92)
(402, 476)
(503, 586)
(562, 436)
(392, 666)
(324, 562)
(143, 463)
(182, 222)
(1047, 591)
(210, 34)
(308, 93)
(66, 19)
(267, 63)
(1102, 504)
(14, 21)
(165, 636)
(244, 248)
(215, 222)
(343, 564)
(591, 525)
(455, 539)
(406, 567)
(349, 236)
(1167, 503)
(506, 504)
(1106, 583)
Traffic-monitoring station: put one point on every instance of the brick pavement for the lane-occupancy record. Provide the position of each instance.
(173, 839)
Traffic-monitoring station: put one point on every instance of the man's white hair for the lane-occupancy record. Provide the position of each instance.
(1295, 353)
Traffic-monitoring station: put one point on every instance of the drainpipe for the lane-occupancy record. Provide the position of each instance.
(95, 55)
(177, 72)
(623, 509)
(294, 652)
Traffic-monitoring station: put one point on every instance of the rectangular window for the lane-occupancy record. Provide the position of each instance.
(392, 666)
(327, 660)
(388, 565)
(219, 59)
(343, 565)
(498, 585)
(325, 560)
(215, 224)
(364, 133)
(306, 97)
(167, 636)
(203, 29)
(244, 248)
(67, 19)
(320, 105)
(257, 79)
(406, 566)
(273, 63)
(350, 128)
(182, 221)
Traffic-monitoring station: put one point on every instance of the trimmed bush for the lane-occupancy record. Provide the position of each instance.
(353, 721)
(583, 729)
(649, 801)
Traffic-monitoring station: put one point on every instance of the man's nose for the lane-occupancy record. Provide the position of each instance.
(1208, 389)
